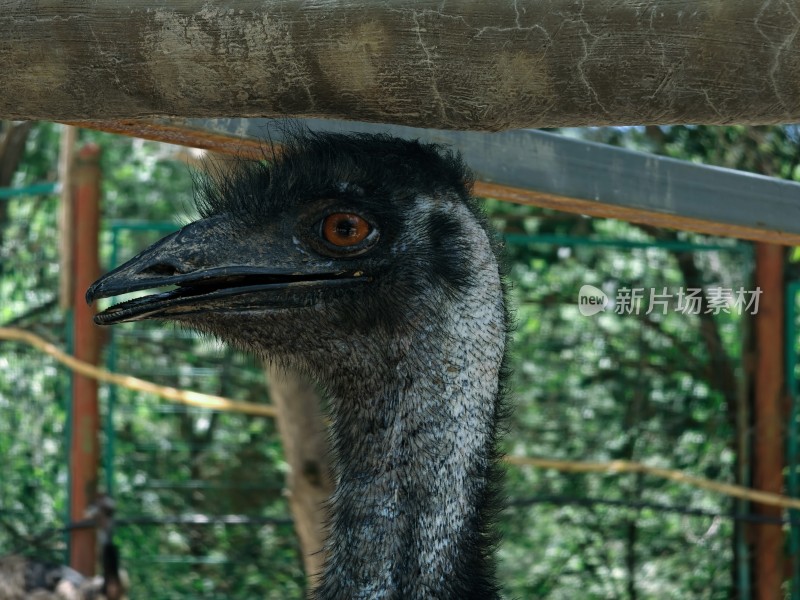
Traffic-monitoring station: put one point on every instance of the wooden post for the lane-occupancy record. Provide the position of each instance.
(768, 454)
(66, 220)
(305, 445)
(84, 452)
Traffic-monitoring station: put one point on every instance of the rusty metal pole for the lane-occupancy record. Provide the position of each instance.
(768, 412)
(84, 446)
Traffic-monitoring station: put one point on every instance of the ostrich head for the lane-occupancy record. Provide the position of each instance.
(363, 261)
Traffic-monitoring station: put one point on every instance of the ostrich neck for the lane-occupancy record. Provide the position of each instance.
(416, 455)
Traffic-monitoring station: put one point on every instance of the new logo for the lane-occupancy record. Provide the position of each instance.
(591, 300)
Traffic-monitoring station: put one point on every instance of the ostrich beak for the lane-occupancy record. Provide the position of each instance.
(206, 271)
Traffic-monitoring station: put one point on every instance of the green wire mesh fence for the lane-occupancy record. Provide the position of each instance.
(34, 390)
(200, 494)
(203, 490)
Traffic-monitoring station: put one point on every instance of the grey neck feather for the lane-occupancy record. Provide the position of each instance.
(414, 442)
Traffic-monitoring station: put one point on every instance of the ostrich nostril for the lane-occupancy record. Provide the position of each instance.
(162, 270)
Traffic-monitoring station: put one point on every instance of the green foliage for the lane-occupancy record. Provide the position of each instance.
(616, 387)
(161, 462)
(650, 388)
(33, 390)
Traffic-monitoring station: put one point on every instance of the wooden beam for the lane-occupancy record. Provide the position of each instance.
(551, 171)
(464, 64)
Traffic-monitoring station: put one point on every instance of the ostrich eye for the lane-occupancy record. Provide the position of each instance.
(345, 229)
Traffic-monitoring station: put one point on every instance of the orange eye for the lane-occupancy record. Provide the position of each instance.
(345, 229)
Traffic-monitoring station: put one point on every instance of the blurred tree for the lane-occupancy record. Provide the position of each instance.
(663, 388)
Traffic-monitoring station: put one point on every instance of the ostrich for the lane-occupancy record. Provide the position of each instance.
(362, 260)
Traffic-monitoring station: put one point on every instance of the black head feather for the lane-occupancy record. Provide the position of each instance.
(309, 165)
